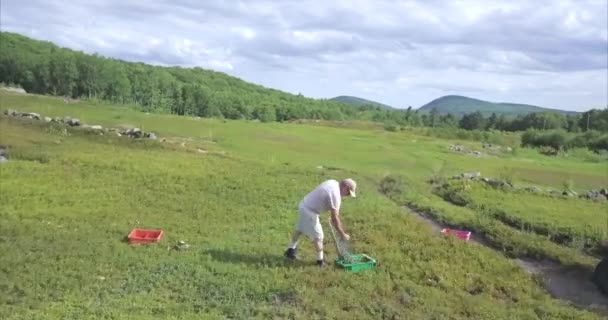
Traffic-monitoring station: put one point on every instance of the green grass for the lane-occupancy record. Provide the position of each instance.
(69, 199)
(513, 242)
(565, 220)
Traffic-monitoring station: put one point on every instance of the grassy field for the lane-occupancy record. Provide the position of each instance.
(69, 199)
(573, 221)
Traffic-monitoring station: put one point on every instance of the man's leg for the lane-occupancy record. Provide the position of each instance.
(294, 239)
(291, 249)
(318, 243)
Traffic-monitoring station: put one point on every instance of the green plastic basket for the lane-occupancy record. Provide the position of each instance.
(358, 262)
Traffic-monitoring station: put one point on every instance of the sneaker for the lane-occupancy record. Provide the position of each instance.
(321, 263)
(290, 253)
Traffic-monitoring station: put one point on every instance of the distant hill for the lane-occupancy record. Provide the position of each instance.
(355, 101)
(459, 105)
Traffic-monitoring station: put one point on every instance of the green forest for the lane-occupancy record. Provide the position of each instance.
(45, 68)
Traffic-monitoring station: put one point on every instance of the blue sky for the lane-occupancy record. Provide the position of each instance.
(551, 53)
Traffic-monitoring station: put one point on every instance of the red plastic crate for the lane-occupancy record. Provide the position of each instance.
(145, 236)
(461, 234)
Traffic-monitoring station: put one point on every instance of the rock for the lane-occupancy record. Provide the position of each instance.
(3, 159)
(96, 127)
(48, 119)
(569, 193)
(477, 153)
(181, 245)
(457, 148)
(74, 122)
(31, 115)
(150, 135)
(498, 183)
(533, 189)
(471, 175)
(594, 195)
(509, 149)
(12, 113)
(604, 192)
(468, 175)
(554, 192)
(135, 132)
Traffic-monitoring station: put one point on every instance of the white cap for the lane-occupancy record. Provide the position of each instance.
(352, 186)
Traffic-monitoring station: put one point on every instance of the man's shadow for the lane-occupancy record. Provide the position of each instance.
(264, 260)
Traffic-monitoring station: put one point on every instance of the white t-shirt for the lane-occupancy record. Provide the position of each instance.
(324, 197)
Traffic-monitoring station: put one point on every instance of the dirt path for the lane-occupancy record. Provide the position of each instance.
(569, 284)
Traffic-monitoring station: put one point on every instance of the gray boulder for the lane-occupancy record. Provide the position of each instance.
(48, 119)
(73, 122)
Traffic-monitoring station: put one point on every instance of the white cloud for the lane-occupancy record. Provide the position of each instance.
(550, 53)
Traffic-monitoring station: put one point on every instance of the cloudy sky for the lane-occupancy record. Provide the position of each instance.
(551, 53)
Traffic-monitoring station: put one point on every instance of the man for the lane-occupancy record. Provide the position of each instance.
(325, 197)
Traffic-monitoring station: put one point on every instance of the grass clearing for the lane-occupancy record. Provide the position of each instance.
(65, 219)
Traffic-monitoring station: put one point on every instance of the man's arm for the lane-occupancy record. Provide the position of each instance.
(335, 219)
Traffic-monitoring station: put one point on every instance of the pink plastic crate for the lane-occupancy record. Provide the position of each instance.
(145, 236)
(460, 234)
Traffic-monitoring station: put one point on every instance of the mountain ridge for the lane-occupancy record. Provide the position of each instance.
(460, 105)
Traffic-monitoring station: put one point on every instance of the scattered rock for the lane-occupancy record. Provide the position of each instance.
(181, 245)
(17, 90)
(72, 122)
(3, 159)
(457, 148)
(15, 113)
(31, 115)
(3, 151)
(75, 122)
(554, 192)
(150, 135)
(132, 133)
(533, 189)
(468, 176)
(595, 195)
(569, 193)
(497, 183)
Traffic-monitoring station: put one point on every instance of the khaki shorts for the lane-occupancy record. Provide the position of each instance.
(308, 223)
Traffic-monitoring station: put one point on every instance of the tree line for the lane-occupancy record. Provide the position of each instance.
(44, 68)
